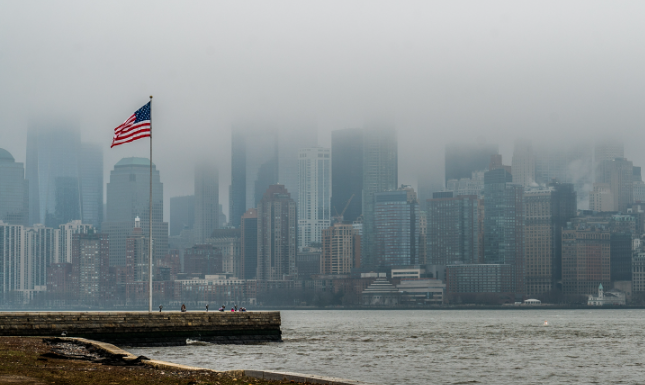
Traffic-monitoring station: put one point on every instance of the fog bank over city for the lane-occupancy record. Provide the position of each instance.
(440, 72)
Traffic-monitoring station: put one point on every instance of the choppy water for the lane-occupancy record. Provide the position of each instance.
(443, 347)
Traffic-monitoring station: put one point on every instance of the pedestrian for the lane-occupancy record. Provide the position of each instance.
(183, 308)
(232, 310)
(160, 307)
(206, 308)
(235, 307)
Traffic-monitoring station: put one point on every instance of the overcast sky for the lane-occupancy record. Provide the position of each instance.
(441, 70)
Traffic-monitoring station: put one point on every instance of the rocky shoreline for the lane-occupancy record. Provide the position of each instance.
(37, 361)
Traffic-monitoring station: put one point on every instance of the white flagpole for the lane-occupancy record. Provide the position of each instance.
(150, 220)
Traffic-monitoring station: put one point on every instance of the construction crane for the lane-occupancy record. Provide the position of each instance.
(339, 217)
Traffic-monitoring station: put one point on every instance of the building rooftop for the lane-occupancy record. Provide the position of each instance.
(5, 156)
(134, 161)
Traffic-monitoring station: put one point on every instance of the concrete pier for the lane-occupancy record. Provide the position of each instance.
(147, 329)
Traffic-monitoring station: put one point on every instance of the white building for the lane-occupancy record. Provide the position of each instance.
(67, 231)
(609, 298)
(314, 194)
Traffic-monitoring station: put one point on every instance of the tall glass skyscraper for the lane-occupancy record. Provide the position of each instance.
(380, 173)
(206, 201)
(397, 227)
(128, 198)
(254, 167)
(347, 173)
(53, 152)
(91, 186)
(504, 223)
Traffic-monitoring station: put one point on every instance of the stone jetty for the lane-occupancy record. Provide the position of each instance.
(147, 329)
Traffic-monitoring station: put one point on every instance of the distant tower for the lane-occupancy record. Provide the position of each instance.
(14, 191)
(249, 244)
(504, 223)
(277, 238)
(314, 174)
(397, 230)
(462, 159)
(347, 172)
(91, 184)
(453, 229)
(53, 155)
(380, 173)
(206, 201)
(254, 167)
(523, 163)
(127, 198)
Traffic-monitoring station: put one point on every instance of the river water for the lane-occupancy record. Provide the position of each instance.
(442, 347)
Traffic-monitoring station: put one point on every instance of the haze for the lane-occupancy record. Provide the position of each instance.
(440, 71)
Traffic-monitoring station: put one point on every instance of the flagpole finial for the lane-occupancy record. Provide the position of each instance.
(150, 96)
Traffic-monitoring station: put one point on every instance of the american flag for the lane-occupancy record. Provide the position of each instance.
(136, 127)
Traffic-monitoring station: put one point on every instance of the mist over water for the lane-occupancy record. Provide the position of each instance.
(442, 347)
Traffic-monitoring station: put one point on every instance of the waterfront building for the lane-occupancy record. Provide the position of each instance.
(182, 214)
(206, 201)
(308, 262)
(380, 173)
(314, 214)
(396, 222)
(277, 235)
(91, 184)
(504, 223)
(127, 198)
(606, 298)
(249, 244)
(14, 191)
(480, 278)
(546, 212)
(523, 163)
(339, 249)
(254, 167)
(421, 291)
(453, 226)
(638, 272)
(586, 250)
(381, 293)
(462, 159)
(347, 172)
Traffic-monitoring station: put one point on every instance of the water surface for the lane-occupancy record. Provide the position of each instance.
(442, 347)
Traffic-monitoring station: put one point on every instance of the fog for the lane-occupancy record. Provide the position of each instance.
(440, 71)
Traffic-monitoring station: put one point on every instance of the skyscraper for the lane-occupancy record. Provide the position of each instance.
(396, 224)
(206, 201)
(291, 139)
(347, 173)
(380, 173)
(504, 223)
(463, 159)
(546, 213)
(53, 152)
(277, 234)
(618, 173)
(91, 184)
(14, 191)
(452, 234)
(249, 243)
(314, 174)
(523, 163)
(127, 198)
